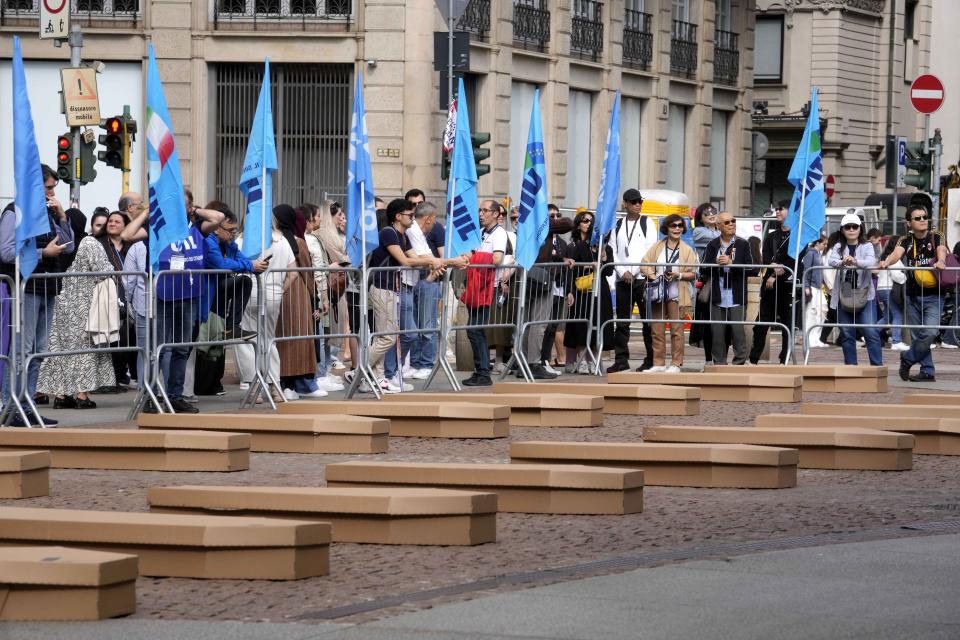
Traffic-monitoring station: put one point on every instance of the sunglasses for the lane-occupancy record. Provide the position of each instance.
(484, 210)
(676, 225)
(514, 219)
(709, 212)
(920, 218)
(635, 201)
(586, 221)
(731, 221)
(851, 227)
(554, 215)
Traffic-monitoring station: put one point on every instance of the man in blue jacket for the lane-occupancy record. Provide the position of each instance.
(232, 292)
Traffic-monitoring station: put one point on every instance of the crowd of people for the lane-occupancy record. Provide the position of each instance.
(300, 303)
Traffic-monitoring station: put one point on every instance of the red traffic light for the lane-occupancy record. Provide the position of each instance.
(113, 125)
(63, 157)
(63, 142)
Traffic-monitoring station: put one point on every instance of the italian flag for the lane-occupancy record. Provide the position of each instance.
(159, 136)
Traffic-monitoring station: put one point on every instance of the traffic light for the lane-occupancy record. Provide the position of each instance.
(477, 140)
(921, 163)
(112, 155)
(88, 172)
(445, 165)
(65, 157)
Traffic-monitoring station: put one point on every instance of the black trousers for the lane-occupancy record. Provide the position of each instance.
(629, 294)
(231, 297)
(557, 311)
(775, 306)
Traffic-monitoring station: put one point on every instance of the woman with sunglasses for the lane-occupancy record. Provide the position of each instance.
(668, 293)
(854, 256)
(580, 251)
(706, 227)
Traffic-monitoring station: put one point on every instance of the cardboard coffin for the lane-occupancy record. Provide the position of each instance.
(932, 436)
(823, 378)
(528, 409)
(181, 546)
(676, 465)
(619, 399)
(903, 411)
(519, 488)
(733, 387)
(420, 419)
(56, 583)
(949, 399)
(133, 449)
(285, 434)
(864, 449)
(24, 474)
(383, 515)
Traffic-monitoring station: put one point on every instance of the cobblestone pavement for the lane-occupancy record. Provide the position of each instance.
(674, 518)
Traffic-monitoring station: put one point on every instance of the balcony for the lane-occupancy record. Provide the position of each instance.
(87, 12)
(476, 19)
(637, 39)
(683, 49)
(280, 14)
(586, 36)
(531, 24)
(726, 58)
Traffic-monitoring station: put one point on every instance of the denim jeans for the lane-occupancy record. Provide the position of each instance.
(37, 312)
(871, 335)
(892, 315)
(478, 340)
(408, 321)
(423, 352)
(321, 348)
(141, 341)
(922, 310)
(175, 320)
(952, 336)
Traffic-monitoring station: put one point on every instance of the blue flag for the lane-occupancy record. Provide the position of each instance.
(256, 178)
(30, 202)
(609, 198)
(534, 222)
(168, 213)
(361, 208)
(464, 225)
(808, 207)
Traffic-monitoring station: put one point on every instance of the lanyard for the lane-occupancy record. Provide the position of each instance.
(629, 233)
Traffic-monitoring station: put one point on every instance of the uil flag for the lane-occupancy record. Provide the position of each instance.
(609, 179)
(450, 131)
(808, 208)
(256, 179)
(168, 213)
(534, 222)
(29, 202)
(464, 224)
(361, 209)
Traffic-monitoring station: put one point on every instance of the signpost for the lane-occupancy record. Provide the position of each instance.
(926, 93)
(54, 19)
(80, 100)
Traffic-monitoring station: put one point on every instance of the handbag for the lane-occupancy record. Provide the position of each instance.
(950, 277)
(584, 283)
(336, 284)
(926, 278)
(706, 288)
(662, 291)
(852, 297)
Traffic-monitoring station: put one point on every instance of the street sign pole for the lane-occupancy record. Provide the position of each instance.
(76, 45)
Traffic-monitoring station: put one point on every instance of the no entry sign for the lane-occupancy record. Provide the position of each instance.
(829, 186)
(926, 93)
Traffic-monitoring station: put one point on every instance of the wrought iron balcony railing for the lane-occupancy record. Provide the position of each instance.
(255, 13)
(87, 11)
(586, 37)
(683, 48)
(637, 38)
(726, 57)
(476, 19)
(531, 24)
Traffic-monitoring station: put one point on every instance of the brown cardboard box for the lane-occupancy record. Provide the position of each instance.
(519, 488)
(908, 411)
(823, 378)
(949, 399)
(24, 474)
(132, 449)
(379, 515)
(819, 448)
(675, 465)
(528, 409)
(731, 387)
(619, 399)
(421, 419)
(932, 436)
(181, 546)
(285, 434)
(56, 583)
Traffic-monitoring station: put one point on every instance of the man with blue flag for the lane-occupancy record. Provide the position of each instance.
(808, 207)
(34, 232)
(463, 225)
(362, 235)
(776, 288)
(256, 178)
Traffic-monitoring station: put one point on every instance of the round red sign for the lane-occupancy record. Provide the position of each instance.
(829, 186)
(926, 93)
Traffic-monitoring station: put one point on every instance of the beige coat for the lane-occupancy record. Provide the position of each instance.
(688, 256)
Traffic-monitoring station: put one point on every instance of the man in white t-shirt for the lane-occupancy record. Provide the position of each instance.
(493, 241)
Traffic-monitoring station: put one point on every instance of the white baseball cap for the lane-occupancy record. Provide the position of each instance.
(850, 218)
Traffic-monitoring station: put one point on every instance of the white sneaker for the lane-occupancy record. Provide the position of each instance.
(421, 374)
(899, 346)
(319, 393)
(657, 369)
(290, 394)
(672, 369)
(330, 383)
(408, 371)
(934, 345)
(585, 368)
(335, 363)
(549, 369)
(244, 386)
(947, 345)
(387, 386)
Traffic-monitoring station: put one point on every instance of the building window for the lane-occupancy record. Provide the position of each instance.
(282, 12)
(718, 157)
(531, 24)
(521, 102)
(476, 19)
(579, 124)
(724, 15)
(676, 146)
(768, 53)
(311, 143)
(637, 35)
(681, 10)
(630, 120)
(586, 33)
(910, 20)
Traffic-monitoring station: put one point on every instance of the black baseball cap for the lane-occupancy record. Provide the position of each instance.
(631, 195)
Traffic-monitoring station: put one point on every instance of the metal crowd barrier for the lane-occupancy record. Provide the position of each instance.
(10, 343)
